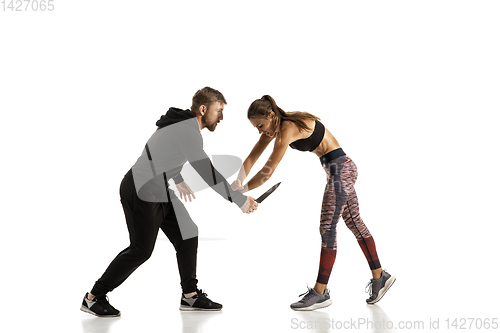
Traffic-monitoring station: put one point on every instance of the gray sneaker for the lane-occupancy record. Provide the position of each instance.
(378, 288)
(312, 301)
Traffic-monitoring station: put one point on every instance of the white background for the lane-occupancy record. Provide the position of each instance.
(409, 88)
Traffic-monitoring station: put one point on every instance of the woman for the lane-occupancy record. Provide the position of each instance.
(304, 132)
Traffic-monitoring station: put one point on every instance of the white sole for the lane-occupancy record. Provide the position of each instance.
(190, 308)
(315, 306)
(382, 291)
(87, 310)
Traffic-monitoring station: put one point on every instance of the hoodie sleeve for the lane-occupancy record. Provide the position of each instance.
(178, 179)
(191, 145)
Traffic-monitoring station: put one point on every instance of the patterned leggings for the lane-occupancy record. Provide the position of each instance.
(340, 200)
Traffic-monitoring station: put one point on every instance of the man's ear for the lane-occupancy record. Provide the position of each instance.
(202, 109)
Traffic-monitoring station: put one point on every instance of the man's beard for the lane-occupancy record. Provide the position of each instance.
(211, 126)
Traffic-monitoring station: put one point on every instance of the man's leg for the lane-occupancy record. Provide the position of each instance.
(143, 221)
(183, 234)
(186, 249)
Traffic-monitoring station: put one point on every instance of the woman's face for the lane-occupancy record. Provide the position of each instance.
(264, 125)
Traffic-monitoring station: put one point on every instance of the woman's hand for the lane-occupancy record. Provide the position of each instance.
(185, 191)
(249, 206)
(237, 185)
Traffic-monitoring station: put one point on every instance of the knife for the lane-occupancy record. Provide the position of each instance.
(267, 193)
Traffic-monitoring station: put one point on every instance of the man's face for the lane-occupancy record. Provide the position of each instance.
(212, 116)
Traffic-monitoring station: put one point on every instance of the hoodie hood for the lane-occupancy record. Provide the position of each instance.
(174, 115)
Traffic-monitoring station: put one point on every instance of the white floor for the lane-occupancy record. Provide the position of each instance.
(255, 287)
(445, 262)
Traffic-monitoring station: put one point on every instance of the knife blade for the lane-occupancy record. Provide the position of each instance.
(267, 193)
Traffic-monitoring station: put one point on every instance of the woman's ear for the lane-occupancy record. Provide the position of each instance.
(271, 115)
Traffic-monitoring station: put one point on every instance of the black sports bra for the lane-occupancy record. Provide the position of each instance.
(313, 141)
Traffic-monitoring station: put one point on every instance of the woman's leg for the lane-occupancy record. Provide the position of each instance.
(354, 222)
(334, 199)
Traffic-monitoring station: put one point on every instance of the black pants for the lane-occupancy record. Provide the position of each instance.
(143, 221)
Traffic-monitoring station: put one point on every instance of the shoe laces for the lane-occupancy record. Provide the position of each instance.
(103, 300)
(368, 288)
(308, 294)
(201, 293)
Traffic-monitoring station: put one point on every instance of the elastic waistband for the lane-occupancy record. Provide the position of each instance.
(331, 155)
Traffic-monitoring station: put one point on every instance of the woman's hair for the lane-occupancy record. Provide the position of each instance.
(261, 108)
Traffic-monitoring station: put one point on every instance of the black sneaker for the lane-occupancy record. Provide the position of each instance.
(378, 288)
(199, 302)
(99, 307)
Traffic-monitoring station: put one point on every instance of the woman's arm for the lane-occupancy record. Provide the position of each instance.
(254, 155)
(272, 163)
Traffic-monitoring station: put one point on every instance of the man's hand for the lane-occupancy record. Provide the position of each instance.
(249, 206)
(185, 191)
(237, 185)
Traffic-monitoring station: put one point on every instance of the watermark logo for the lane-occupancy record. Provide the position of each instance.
(383, 324)
(27, 5)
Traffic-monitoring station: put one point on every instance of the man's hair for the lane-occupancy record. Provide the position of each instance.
(206, 96)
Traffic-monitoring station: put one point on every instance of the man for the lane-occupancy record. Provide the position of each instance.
(149, 204)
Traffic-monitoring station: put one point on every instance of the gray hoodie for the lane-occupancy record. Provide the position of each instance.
(176, 141)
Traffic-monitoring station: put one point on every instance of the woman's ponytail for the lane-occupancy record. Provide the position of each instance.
(277, 110)
(261, 108)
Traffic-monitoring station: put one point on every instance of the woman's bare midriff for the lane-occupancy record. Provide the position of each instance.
(328, 143)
